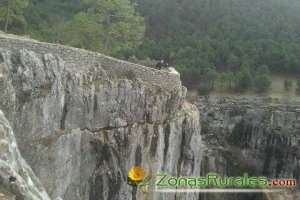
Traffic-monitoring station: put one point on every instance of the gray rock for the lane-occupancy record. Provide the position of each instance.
(82, 120)
(253, 135)
(17, 180)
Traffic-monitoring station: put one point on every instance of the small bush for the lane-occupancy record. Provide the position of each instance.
(130, 75)
(147, 62)
(263, 82)
(288, 84)
(205, 125)
(298, 87)
(243, 80)
(236, 136)
(204, 89)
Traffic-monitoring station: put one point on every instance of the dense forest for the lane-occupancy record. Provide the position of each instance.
(240, 42)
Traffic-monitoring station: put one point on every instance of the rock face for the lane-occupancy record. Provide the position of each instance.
(17, 180)
(258, 136)
(82, 119)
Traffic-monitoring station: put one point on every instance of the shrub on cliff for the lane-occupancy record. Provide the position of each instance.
(263, 79)
(146, 62)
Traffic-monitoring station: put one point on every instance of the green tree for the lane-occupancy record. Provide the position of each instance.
(288, 84)
(6, 16)
(230, 78)
(298, 86)
(106, 26)
(263, 82)
(204, 88)
(233, 61)
(12, 15)
(190, 76)
(222, 80)
(210, 75)
(263, 78)
(46, 19)
(243, 79)
(238, 34)
(263, 69)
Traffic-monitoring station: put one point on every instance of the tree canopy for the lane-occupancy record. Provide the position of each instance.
(12, 15)
(107, 26)
(197, 37)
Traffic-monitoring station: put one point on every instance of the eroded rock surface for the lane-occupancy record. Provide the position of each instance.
(258, 136)
(17, 180)
(82, 120)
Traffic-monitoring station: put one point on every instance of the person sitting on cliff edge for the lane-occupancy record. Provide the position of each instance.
(164, 64)
(161, 64)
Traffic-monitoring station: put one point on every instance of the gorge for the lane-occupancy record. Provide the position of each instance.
(73, 122)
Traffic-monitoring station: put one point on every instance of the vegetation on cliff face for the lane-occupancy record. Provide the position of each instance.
(198, 37)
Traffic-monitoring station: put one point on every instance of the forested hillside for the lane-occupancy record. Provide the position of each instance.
(109, 27)
(246, 36)
(241, 41)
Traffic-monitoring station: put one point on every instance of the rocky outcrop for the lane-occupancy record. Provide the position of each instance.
(258, 136)
(82, 119)
(17, 180)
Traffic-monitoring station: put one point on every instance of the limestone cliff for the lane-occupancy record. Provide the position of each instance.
(259, 136)
(76, 121)
(17, 180)
(81, 120)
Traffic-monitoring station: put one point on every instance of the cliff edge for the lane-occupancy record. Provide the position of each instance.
(82, 119)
